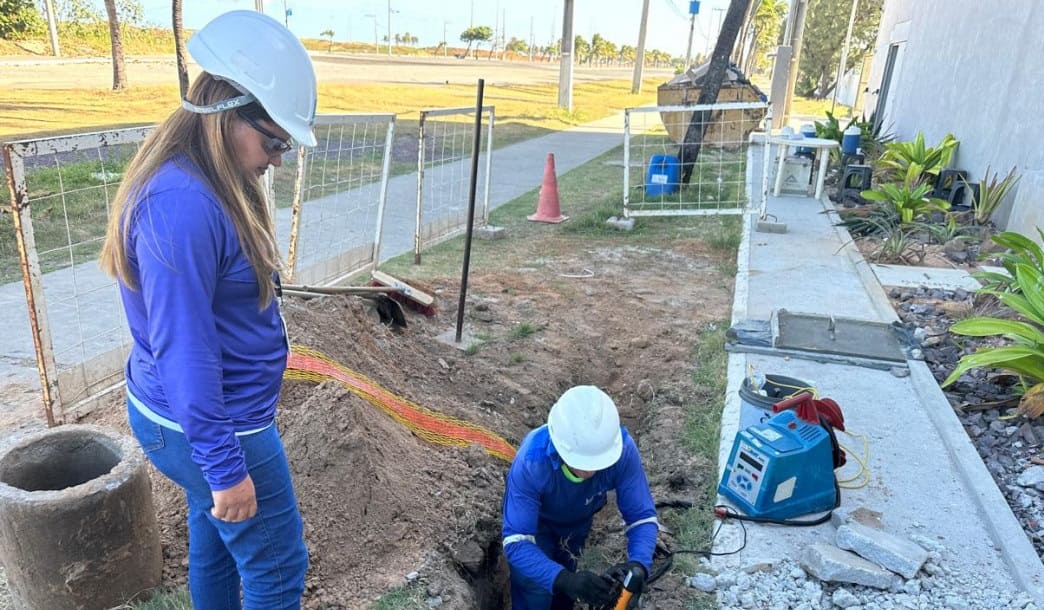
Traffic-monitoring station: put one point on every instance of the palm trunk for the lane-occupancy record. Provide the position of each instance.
(719, 63)
(179, 47)
(119, 69)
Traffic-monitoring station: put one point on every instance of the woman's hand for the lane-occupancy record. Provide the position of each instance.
(237, 503)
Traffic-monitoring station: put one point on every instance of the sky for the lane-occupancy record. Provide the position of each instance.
(616, 20)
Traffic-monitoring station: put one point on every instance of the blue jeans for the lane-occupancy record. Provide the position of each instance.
(562, 547)
(266, 553)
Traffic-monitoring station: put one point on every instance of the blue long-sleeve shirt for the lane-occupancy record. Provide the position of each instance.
(539, 498)
(204, 356)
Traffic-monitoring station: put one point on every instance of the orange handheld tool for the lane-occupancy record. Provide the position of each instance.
(625, 598)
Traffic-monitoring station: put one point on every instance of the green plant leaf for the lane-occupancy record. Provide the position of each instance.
(1019, 303)
(1020, 359)
(986, 327)
(1031, 282)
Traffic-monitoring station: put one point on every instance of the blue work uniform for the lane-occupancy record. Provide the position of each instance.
(547, 517)
(205, 360)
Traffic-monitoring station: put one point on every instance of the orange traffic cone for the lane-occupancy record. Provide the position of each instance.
(547, 205)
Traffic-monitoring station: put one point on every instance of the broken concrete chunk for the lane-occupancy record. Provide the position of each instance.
(1032, 477)
(703, 582)
(897, 554)
(620, 224)
(490, 232)
(831, 564)
(859, 514)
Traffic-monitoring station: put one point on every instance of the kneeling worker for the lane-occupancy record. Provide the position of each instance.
(557, 482)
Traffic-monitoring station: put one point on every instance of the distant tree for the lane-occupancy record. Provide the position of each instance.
(19, 20)
(517, 45)
(765, 27)
(328, 34)
(553, 50)
(627, 53)
(478, 33)
(825, 24)
(602, 49)
(76, 13)
(581, 49)
(119, 69)
(179, 47)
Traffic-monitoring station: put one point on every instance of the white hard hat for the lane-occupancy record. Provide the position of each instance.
(585, 428)
(266, 62)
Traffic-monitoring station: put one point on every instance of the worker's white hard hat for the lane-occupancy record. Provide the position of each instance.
(266, 62)
(585, 428)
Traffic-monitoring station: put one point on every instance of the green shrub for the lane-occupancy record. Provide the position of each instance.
(19, 20)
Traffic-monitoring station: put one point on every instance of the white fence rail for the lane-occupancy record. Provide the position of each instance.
(444, 146)
(666, 177)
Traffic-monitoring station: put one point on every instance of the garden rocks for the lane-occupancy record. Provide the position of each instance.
(981, 399)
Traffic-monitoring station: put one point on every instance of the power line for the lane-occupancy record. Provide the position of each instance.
(677, 11)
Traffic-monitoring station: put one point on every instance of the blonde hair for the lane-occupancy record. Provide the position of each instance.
(204, 140)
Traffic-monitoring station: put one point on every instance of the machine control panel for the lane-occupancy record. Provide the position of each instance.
(747, 472)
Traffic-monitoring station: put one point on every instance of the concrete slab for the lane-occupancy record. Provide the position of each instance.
(925, 477)
(930, 277)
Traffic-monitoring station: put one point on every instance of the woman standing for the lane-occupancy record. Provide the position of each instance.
(192, 244)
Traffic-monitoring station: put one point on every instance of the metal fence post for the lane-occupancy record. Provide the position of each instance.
(420, 188)
(295, 212)
(32, 281)
(627, 161)
(389, 141)
(489, 166)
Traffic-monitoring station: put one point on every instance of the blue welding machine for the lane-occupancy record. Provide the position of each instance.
(781, 468)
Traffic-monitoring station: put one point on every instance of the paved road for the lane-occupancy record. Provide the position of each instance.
(50, 73)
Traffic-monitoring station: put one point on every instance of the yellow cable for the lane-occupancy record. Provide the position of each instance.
(863, 460)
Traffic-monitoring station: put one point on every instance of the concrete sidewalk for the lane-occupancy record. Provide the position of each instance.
(926, 478)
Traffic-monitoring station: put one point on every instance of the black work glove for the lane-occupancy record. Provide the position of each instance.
(584, 586)
(638, 575)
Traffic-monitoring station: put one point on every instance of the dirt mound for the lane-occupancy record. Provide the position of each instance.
(372, 494)
(380, 503)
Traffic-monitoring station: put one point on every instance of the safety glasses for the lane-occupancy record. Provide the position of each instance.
(274, 145)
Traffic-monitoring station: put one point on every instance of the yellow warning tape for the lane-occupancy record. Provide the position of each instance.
(310, 365)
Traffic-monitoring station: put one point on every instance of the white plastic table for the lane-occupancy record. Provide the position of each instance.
(822, 146)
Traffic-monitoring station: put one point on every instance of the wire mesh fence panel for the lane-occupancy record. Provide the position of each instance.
(329, 200)
(60, 309)
(445, 144)
(668, 177)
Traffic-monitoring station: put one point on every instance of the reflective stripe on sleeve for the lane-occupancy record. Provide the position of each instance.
(518, 538)
(641, 522)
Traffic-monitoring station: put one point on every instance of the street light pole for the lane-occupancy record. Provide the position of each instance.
(844, 53)
(639, 54)
(718, 29)
(376, 42)
(389, 28)
(688, 49)
(565, 62)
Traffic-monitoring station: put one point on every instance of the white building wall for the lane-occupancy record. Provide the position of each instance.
(974, 68)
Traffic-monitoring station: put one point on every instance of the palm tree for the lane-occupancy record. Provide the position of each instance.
(179, 47)
(328, 34)
(119, 69)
